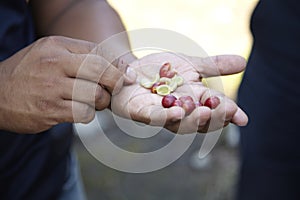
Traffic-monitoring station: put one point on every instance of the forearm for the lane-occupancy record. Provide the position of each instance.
(90, 20)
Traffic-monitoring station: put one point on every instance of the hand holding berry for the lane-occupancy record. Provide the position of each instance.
(195, 105)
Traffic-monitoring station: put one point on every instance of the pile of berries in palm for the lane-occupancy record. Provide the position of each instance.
(166, 82)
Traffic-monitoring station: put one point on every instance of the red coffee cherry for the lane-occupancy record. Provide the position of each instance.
(177, 103)
(167, 71)
(168, 101)
(212, 102)
(187, 104)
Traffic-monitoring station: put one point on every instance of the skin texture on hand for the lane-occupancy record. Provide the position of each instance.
(38, 83)
(41, 85)
(140, 104)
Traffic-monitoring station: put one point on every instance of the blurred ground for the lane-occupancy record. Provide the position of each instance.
(219, 27)
(177, 182)
(211, 178)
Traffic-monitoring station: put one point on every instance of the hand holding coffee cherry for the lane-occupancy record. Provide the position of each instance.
(166, 82)
(187, 106)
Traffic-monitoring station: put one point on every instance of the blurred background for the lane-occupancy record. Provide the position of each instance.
(219, 27)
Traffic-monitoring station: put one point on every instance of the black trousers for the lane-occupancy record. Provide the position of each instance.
(270, 143)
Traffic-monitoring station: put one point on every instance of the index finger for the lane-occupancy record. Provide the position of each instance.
(95, 68)
(72, 45)
(218, 65)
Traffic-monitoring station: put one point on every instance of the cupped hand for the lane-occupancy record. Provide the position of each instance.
(138, 103)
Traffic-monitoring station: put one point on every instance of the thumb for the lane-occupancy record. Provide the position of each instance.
(219, 65)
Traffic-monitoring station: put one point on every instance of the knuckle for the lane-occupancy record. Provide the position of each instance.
(42, 105)
(49, 41)
(102, 98)
(52, 83)
(45, 105)
(87, 114)
(99, 93)
(53, 39)
(50, 54)
(49, 60)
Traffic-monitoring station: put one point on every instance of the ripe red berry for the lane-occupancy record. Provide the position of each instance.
(177, 103)
(167, 71)
(185, 98)
(187, 104)
(168, 101)
(212, 102)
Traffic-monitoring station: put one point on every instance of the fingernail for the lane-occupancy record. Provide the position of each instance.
(240, 118)
(131, 75)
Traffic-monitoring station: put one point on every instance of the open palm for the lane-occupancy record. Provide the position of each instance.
(138, 103)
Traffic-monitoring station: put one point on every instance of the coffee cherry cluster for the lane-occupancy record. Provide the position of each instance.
(187, 102)
(166, 82)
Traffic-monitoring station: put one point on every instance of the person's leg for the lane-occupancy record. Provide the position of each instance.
(73, 187)
(270, 152)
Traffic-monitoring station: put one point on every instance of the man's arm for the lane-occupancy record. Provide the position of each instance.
(37, 83)
(91, 20)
